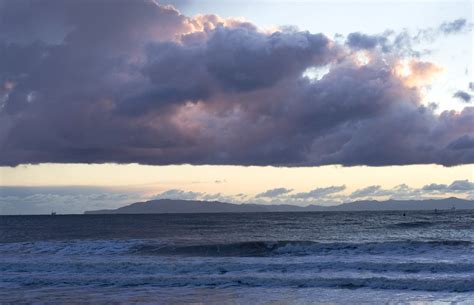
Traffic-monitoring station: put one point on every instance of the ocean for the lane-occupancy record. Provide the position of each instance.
(248, 258)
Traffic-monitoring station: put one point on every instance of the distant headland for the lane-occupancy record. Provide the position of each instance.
(163, 206)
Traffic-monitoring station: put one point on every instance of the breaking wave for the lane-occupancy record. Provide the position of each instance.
(300, 248)
(390, 265)
(239, 249)
(457, 284)
(413, 224)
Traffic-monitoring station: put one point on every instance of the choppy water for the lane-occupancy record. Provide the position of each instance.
(268, 258)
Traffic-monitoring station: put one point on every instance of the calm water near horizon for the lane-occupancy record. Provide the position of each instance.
(250, 258)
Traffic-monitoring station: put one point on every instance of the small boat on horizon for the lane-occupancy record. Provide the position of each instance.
(53, 213)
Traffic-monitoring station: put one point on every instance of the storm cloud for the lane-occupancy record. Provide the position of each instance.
(134, 81)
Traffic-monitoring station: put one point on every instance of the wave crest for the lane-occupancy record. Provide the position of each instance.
(299, 248)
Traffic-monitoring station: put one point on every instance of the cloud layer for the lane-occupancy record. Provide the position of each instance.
(337, 194)
(64, 200)
(77, 199)
(133, 81)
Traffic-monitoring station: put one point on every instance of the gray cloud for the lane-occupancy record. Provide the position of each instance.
(435, 187)
(404, 42)
(464, 142)
(463, 96)
(242, 59)
(64, 200)
(319, 192)
(455, 187)
(370, 191)
(333, 195)
(274, 192)
(189, 195)
(453, 26)
(92, 82)
(399, 192)
(360, 41)
(403, 191)
(178, 194)
(77, 199)
(461, 185)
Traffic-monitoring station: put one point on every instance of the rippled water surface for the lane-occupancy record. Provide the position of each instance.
(261, 258)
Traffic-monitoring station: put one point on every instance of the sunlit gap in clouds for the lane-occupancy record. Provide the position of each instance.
(362, 58)
(316, 73)
(420, 75)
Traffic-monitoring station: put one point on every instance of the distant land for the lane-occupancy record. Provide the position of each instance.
(190, 206)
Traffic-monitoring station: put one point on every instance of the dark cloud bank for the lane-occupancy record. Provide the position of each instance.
(132, 81)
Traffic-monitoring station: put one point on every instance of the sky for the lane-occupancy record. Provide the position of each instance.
(104, 103)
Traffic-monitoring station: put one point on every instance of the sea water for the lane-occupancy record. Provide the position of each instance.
(248, 258)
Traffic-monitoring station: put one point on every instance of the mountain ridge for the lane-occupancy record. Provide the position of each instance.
(171, 206)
